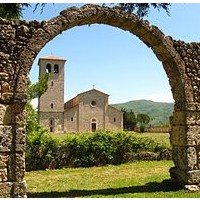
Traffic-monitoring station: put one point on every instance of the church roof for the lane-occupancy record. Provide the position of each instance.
(93, 90)
(52, 58)
(75, 101)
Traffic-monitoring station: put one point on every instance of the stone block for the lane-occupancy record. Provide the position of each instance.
(7, 98)
(179, 118)
(3, 160)
(5, 189)
(38, 40)
(19, 114)
(192, 188)
(191, 158)
(19, 166)
(5, 138)
(16, 167)
(20, 139)
(19, 189)
(185, 177)
(193, 135)
(193, 118)
(185, 158)
(5, 114)
(3, 175)
(54, 26)
(178, 135)
(193, 177)
(5, 87)
(179, 155)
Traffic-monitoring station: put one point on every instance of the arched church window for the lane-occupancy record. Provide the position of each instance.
(48, 68)
(56, 68)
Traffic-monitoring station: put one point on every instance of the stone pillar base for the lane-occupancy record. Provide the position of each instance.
(189, 180)
(13, 189)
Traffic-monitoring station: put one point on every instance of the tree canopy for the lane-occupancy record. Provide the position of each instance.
(15, 10)
(143, 9)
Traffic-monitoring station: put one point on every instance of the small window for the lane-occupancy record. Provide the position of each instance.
(56, 68)
(114, 119)
(48, 68)
(72, 119)
(51, 129)
(51, 121)
(52, 105)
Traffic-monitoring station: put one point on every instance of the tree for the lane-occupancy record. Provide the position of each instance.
(129, 120)
(14, 10)
(142, 9)
(37, 89)
(143, 119)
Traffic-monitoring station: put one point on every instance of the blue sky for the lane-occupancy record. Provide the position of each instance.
(115, 61)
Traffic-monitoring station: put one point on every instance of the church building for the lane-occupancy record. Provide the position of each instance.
(87, 112)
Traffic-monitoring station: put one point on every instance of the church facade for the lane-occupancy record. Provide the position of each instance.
(87, 112)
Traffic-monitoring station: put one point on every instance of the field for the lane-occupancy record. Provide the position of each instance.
(136, 179)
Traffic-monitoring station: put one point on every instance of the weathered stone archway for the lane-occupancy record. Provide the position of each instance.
(21, 41)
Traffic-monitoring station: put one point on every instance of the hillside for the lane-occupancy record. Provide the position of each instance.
(159, 112)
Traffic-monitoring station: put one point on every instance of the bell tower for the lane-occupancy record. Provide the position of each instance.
(51, 103)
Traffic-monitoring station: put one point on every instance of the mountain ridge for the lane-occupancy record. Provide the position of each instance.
(159, 112)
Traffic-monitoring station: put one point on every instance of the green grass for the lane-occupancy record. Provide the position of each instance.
(137, 179)
(162, 138)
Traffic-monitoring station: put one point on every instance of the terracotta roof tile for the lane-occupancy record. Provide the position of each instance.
(52, 58)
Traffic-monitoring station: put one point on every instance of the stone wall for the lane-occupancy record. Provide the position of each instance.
(113, 119)
(71, 122)
(20, 42)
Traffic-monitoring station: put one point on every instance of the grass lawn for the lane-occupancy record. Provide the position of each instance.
(136, 179)
(162, 138)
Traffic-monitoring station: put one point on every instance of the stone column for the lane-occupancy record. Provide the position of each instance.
(12, 149)
(185, 140)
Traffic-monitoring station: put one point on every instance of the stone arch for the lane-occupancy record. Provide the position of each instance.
(21, 41)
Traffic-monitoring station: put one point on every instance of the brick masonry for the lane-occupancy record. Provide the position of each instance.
(20, 42)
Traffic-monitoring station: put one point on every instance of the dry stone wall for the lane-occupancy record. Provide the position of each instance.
(20, 42)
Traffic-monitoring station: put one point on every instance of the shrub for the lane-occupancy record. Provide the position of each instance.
(90, 149)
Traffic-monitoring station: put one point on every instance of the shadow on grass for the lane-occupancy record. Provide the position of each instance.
(165, 186)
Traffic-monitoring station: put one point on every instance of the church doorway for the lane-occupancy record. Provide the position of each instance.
(93, 126)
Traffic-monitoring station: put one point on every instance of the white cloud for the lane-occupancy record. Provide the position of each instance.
(160, 97)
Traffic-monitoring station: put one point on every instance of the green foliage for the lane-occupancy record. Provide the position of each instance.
(12, 10)
(39, 149)
(90, 149)
(129, 119)
(37, 89)
(143, 120)
(142, 9)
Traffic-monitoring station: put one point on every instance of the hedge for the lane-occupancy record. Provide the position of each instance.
(90, 149)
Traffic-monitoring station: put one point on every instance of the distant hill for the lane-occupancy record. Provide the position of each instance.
(158, 112)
